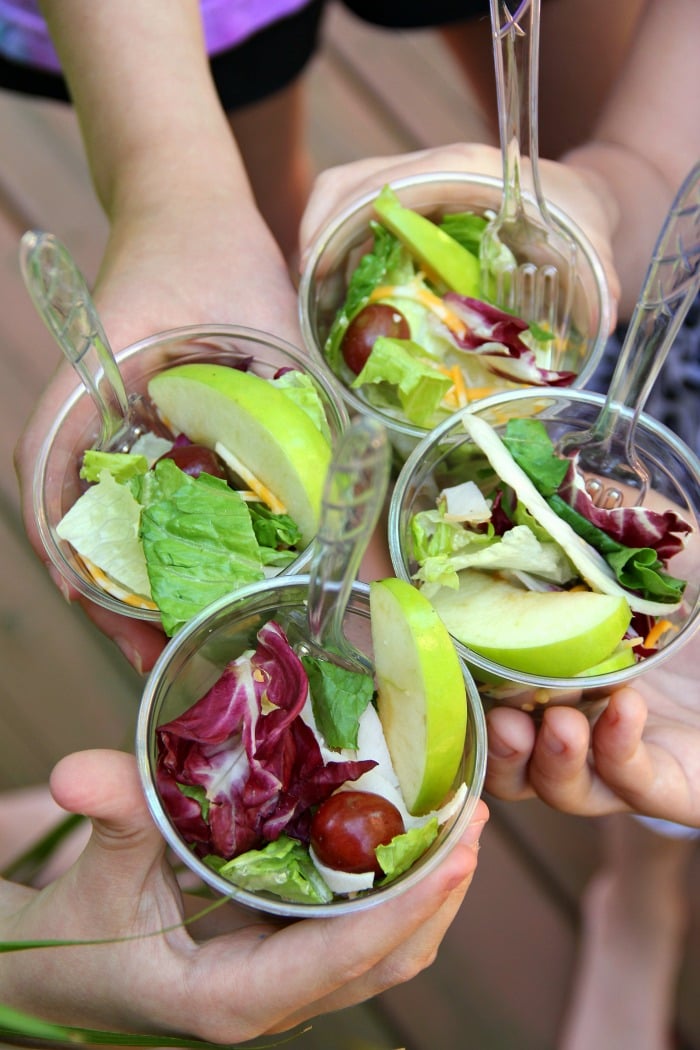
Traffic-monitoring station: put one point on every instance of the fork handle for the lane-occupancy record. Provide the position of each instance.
(353, 496)
(63, 301)
(516, 36)
(671, 284)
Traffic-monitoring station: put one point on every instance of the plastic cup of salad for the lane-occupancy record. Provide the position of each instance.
(549, 598)
(222, 490)
(410, 339)
(271, 772)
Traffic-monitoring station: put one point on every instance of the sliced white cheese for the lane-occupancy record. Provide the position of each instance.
(591, 565)
(343, 882)
(451, 808)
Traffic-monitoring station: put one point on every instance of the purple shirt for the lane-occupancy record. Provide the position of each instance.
(25, 38)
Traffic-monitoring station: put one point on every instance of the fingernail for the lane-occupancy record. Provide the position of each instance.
(132, 654)
(65, 591)
(61, 584)
(498, 747)
(550, 742)
(473, 833)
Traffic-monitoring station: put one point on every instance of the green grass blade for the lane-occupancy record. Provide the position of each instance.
(18, 1025)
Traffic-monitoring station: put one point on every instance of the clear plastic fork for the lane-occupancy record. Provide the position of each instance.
(606, 455)
(62, 299)
(353, 496)
(528, 260)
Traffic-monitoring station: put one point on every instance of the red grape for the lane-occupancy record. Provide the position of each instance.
(195, 460)
(348, 826)
(374, 320)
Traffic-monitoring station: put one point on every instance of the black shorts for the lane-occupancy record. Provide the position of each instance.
(274, 57)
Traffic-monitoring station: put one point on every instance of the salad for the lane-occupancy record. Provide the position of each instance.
(526, 570)
(175, 522)
(280, 778)
(416, 335)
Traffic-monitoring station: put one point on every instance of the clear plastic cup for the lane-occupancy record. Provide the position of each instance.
(348, 237)
(674, 483)
(194, 659)
(56, 483)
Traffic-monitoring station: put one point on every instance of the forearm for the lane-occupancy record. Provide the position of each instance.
(648, 136)
(150, 118)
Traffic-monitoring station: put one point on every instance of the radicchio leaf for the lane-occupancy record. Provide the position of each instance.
(495, 336)
(632, 526)
(245, 743)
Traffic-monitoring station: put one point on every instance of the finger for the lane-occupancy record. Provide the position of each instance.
(617, 735)
(560, 771)
(140, 642)
(104, 785)
(511, 739)
(649, 778)
(346, 959)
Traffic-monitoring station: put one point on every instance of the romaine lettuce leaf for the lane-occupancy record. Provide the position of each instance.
(532, 449)
(404, 850)
(121, 465)
(338, 698)
(467, 228)
(283, 868)
(198, 541)
(300, 388)
(433, 535)
(273, 530)
(637, 568)
(517, 549)
(401, 363)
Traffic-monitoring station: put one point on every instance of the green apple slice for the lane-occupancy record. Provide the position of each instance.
(619, 658)
(273, 437)
(553, 633)
(440, 255)
(421, 693)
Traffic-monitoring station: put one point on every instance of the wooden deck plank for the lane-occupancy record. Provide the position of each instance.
(407, 75)
(44, 180)
(342, 124)
(63, 686)
(502, 974)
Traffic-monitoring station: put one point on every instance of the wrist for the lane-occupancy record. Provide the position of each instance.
(175, 177)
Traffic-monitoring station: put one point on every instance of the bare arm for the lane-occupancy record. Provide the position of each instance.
(165, 167)
(148, 111)
(187, 244)
(647, 136)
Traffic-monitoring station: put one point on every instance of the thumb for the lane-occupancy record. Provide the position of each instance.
(104, 785)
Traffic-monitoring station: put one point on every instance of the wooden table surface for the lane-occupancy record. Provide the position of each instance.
(503, 975)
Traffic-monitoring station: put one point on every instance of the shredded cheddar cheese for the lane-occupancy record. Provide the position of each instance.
(262, 492)
(659, 629)
(111, 586)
